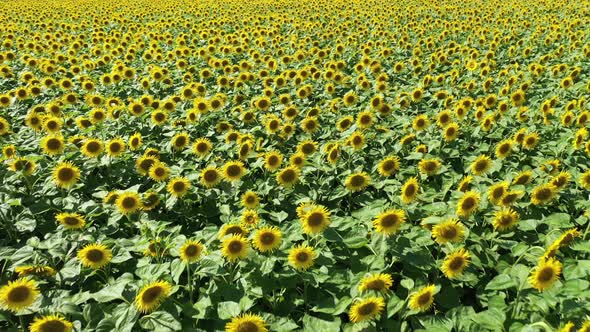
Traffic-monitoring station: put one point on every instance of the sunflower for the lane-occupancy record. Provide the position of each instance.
(468, 204)
(389, 222)
(545, 274)
(65, 174)
(366, 309)
(561, 180)
(159, 171)
(344, 123)
(422, 299)
(152, 295)
(18, 295)
(497, 191)
(149, 201)
(92, 148)
(357, 140)
(420, 123)
(315, 219)
(250, 200)
(530, 141)
(288, 176)
(246, 323)
(156, 248)
(388, 166)
(307, 147)
(455, 263)
(178, 186)
(451, 132)
(202, 147)
(27, 166)
(380, 282)
(52, 145)
(585, 179)
(210, 176)
(9, 151)
(235, 248)
(523, 178)
(301, 257)
(273, 160)
(115, 147)
(333, 154)
(481, 165)
(365, 119)
(448, 231)
(95, 256)
(233, 170)
(51, 323)
(144, 163)
(410, 190)
(429, 166)
(267, 239)
(135, 141)
(543, 193)
(357, 181)
(71, 220)
(191, 251)
(249, 218)
(504, 148)
(128, 202)
(570, 327)
(36, 270)
(465, 183)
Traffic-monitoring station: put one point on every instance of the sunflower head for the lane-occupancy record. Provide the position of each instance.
(65, 174)
(246, 323)
(357, 181)
(301, 257)
(152, 295)
(379, 282)
(366, 309)
(210, 176)
(18, 295)
(128, 202)
(51, 323)
(233, 170)
(71, 220)
(389, 222)
(448, 231)
(410, 190)
(191, 251)
(267, 239)
(95, 256)
(250, 200)
(481, 165)
(545, 274)
(422, 299)
(235, 247)
(178, 187)
(455, 263)
(314, 219)
(288, 176)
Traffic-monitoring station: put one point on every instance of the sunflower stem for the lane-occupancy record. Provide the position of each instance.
(190, 284)
(22, 323)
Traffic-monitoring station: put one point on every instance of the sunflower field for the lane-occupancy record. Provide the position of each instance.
(282, 165)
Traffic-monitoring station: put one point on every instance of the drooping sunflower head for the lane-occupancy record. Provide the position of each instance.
(422, 299)
(152, 295)
(65, 174)
(246, 323)
(357, 181)
(366, 309)
(191, 251)
(71, 220)
(19, 294)
(379, 282)
(149, 200)
(389, 222)
(267, 239)
(24, 165)
(561, 180)
(455, 263)
(301, 257)
(235, 247)
(128, 202)
(448, 231)
(545, 274)
(497, 191)
(51, 323)
(95, 256)
(43, 271)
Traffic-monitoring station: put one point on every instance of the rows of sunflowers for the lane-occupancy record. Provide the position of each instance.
(281, 165)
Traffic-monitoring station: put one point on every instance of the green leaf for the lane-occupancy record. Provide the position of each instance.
(314, 324)
(501, 281)
(160, 321)
(228, 309)
(110, 293)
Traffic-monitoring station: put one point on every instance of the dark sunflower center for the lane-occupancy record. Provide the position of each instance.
(191, 251)
(546, 274)
(481, 165)
(389, 220)
(410, 190)
(456, 263)
(451, 131)
(288, 176)
(498, 192)
(357, 140)
(160, 171)
(210, 176)
(65, 174)
(247, 327)
(420, 123)
(180, 141)
(377, 284)
(160, 117)
(151, 294)
(388, 165)
(129, 203)
(430, 166)
(178, 186)
(267, 238)
(53, 144)
(506, 220)
(235, 247)
(93, 147)
(19, 294)
(302, 257)
(530, 141)
(357, 181)
(95, 255)
(468, 203)
(71, 221)
(543, 194)
(234, 230)
(53, 326)
(115, 147)
(367, 309)
(315, 219)
(423, 299)
(146, 164)
(307, 148)
(365, 119)
(449, 233)
(202, 147)
(345, 123)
